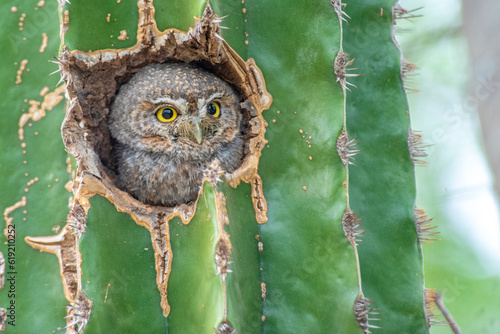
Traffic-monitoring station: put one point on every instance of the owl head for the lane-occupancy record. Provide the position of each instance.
(176, 107)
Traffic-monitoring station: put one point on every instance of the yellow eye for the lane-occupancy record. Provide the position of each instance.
(214, 109)
(166, 114)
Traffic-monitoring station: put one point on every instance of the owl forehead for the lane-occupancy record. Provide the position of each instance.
(184, 81)
(186, 93)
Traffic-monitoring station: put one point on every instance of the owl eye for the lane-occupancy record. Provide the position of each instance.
(166, 114)
(214, 109)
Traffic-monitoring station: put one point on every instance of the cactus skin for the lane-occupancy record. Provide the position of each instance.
(307, 261)
(382, 181)
(305, 289)
(116, 276)
(39, 300)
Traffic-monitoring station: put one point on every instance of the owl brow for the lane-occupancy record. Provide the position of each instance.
(147, 105)
(167, 100)
(202, 102)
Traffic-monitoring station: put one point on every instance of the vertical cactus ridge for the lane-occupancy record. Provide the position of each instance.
(222, 286)
(199, 268)
(308, 267)
(33, 199)
(382, 183)
(118, 273)
(347, 149)
(426, 232)
(244, 295)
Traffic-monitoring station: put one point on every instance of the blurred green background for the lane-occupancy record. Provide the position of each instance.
(455, 46)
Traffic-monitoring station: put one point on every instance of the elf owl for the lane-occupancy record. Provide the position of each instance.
(169, 122)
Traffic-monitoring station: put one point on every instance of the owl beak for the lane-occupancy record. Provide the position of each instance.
(196, 131)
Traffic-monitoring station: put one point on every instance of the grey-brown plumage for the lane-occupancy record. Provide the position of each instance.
(161, 160)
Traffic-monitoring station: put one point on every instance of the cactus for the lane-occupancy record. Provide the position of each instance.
(319, 236)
